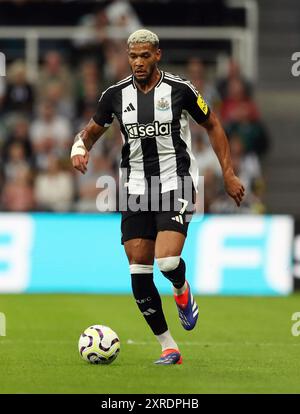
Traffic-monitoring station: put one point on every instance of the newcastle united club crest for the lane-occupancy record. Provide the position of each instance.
(162, 104)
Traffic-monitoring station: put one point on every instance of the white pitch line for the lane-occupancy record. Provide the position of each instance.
(205, 344)
(35, 341)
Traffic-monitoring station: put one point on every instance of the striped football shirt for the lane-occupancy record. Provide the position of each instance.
(154, 128)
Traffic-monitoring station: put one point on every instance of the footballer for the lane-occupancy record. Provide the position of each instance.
(153, 109)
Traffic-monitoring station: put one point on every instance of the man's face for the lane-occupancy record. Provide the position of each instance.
(143, 58)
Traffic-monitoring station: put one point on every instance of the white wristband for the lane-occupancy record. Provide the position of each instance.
(78, 148)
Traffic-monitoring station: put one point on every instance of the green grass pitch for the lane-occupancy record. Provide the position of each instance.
(240, 345)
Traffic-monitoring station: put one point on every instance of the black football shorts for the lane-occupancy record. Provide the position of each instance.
(174, 215)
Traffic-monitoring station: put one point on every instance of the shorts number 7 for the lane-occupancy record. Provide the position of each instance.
(185, 203)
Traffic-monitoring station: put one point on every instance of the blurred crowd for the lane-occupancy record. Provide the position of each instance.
(39, 119)
(232, 99)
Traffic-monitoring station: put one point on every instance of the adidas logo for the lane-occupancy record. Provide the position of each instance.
(149, 312)
(129, 108)
(178, 218)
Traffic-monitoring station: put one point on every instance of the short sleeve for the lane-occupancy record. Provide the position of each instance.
(104, 111)
(195, 104)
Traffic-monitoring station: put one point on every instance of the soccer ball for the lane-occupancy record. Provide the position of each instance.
(99, 345)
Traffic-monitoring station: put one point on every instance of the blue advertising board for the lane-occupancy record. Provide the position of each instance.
(82, 253)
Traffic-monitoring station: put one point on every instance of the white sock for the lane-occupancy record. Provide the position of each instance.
(166, 341)
(181, 290)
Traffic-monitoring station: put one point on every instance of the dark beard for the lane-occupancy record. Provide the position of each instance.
(142, 81)
(146, 80)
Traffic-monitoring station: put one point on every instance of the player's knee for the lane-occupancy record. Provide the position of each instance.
(140, 259)
(167, 264)
(139, 253)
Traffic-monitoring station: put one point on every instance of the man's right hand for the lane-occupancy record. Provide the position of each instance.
(83, 143)
(80, 162)
(79, 154)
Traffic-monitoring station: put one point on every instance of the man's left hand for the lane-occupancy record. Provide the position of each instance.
(234, 188)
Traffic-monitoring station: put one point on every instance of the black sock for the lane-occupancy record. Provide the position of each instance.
(177, 276)
(148, 300)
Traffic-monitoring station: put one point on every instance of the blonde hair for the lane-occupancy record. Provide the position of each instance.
(143, 36)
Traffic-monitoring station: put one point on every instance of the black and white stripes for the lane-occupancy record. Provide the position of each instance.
(155, 129)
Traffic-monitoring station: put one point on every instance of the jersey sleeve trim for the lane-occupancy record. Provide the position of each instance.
(100, 123)
(104, 112)
(183, 81)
